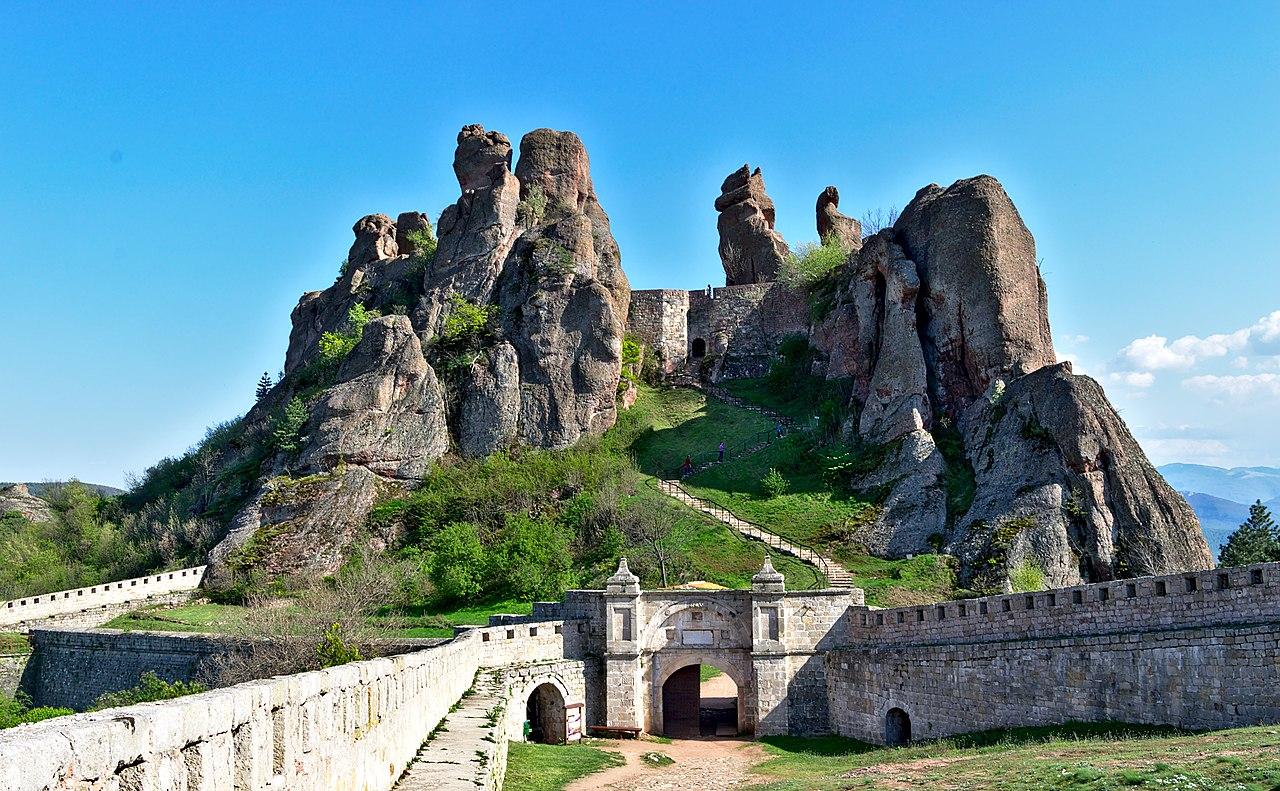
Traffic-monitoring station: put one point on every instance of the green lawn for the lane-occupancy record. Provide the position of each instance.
(195, 617)
(550, 767)
(671, 423)
(1096, 757)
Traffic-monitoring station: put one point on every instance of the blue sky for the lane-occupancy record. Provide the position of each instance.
(172, 178)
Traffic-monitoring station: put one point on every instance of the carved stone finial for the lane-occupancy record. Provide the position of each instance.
(768, 578)
(623, 582)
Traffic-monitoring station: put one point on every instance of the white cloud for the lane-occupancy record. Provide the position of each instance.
(1133, 378)
(1240, 363)
(1156, 352)
(1203, 451)
(1077, 339)
(1235, 386)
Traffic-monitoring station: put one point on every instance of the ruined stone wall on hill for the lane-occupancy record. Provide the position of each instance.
(1194, 650)
(94, 605)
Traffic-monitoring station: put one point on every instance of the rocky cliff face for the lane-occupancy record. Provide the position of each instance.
(941, 328)
(17, 497)
(528, 259)
(750, 249)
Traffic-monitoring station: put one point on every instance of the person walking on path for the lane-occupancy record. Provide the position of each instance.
(686, 469)
(722, 450)
(777, 429)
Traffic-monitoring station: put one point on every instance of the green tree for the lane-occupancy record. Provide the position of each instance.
(458, 562)
(286, 428)
(1256, 540)
(533, 558)
(264, 386)
(334, 650)
(150, 688)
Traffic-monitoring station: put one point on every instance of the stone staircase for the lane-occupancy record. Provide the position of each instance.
(837, 576)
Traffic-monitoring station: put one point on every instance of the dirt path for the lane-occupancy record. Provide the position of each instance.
(699, 765)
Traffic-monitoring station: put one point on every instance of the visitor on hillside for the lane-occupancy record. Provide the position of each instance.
(777, 429)
(686, 469)
(721, 450)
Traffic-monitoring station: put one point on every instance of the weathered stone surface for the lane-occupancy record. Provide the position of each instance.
(375, 240)
(750, 249)
(563, 298)
(489, 412)
(17, 497)
(387, 412)
(984, 301)
(477, 232)
(833, 224)
(897, 401)
(1062, 483)
(914, 511)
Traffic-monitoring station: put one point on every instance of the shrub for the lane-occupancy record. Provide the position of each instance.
(335, 346)
(532, 207)
(773, 484)
(334, 651)
(533, 559)
(150, 688)
(468, 329)
(17, 711)
(811, 263)
(1027, 577)
(286, 428)
(458, 562)
(424, 243)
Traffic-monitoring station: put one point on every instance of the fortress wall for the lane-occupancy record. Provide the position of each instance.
(1209, 677)
(97, 604)
(1245, 594)
(744, 324)
(352, 726)
(660, 316)
(12, 667)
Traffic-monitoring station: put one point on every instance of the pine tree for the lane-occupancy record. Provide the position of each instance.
(1257, 540)
(264, 385)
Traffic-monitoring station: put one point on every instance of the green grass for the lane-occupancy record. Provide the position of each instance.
(671, 423)
(1073, 757)
(708, 672)
(757, 391)
(197, 617)
(427, 621)
(550, 767)
(13, 643)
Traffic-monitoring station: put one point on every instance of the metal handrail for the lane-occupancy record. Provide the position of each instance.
(768, 537)
(819, 573)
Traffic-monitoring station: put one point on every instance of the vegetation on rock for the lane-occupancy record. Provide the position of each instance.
(150, 688)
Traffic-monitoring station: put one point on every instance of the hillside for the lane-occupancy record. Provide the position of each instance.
(1238, 484)
(43, 488)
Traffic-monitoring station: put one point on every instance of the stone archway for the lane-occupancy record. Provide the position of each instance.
(545, 715)
(699, 348)
(688, 712)
(897, 728)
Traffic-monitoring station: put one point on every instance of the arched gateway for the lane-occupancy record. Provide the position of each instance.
(763, 639)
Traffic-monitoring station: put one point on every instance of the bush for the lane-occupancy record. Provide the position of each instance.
(424, 243)
(286, 428)
(150, 688)
(774, 484)
(811, 263)
(17, 711)
(532, 208)
(458, 562)
(468, 330)
(335, 346)
(1027, 577)
(334, 651)
(533, 560)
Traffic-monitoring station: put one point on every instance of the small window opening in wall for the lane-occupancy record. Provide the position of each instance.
(1053, 600)
(66, 595)
(10, 605)
(1130, 590)
(119, 585)
(582, 627)
(559, 629)
(484, 637)
(1006, 605)
(36, 601)
(133, 583)
(902, 616)
(1031, 602)
(511, 634)
(982, 608)
(1224, 581)
(699, 347)
(1104, 594)
(919, 615)
(942, 613)
(1255, 577)
(533, 631)
(93, 590)
(170, 576)
(865, 619)
(961, 609)
(1190, 582)
(879, 619)
(1161, 588)
(1077, 597)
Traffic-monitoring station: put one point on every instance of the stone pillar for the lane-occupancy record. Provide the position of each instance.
(622, 649)
(768, 650)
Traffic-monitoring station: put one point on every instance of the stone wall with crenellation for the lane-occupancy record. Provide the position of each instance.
(94, 605)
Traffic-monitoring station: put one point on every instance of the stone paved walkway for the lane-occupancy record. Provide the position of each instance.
(460, 757)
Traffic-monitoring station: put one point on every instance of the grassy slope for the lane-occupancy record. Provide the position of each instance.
(683, 422)
(13, 643)
(1098, 757)
(548, 767)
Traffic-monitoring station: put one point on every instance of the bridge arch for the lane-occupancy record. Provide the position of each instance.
(543, 708)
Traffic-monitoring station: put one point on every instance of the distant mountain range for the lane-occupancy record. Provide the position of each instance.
(1221, 497)
(38, 489)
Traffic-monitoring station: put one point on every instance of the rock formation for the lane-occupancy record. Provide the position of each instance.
(834, 225)
(530, 249)
(940, 328)
(17, 497)
(750, 249)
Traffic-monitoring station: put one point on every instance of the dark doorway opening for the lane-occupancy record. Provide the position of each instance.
(699, 347)
(897, 728)
(544, 715)
(699, 701)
